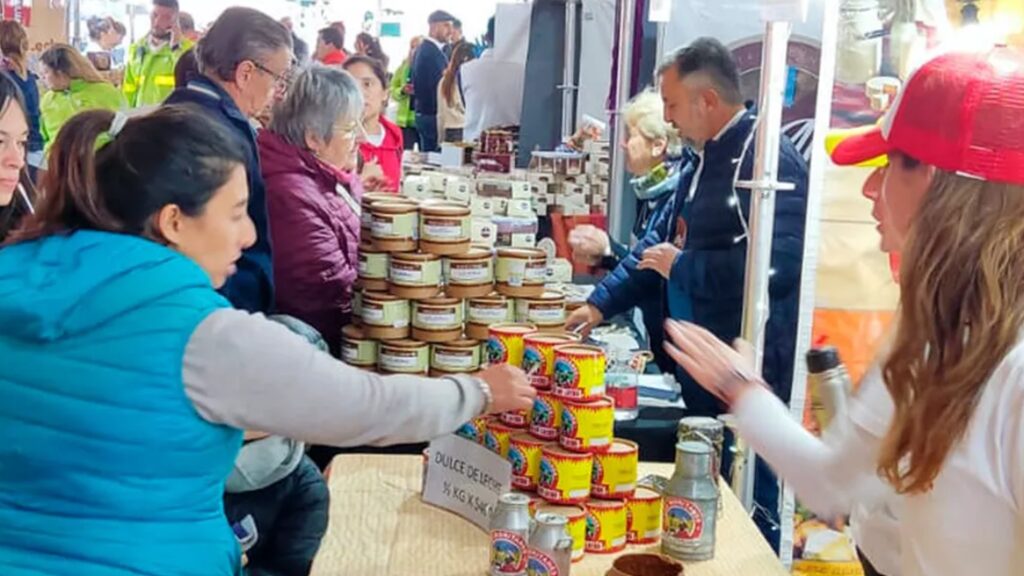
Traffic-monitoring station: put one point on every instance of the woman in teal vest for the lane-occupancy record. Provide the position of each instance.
(126, 380)
(75, 86)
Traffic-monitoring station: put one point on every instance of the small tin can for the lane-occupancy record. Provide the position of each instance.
(524, 455)
(577, 516)
(579, 373)
(691, 505)
(708, 430)
(606, 526)
(505, 343)
(486, 311)
(510, 532)
(403, 357)
(615, 471)
(564, 476)
(550, 546)
(546, 417)
(497, 437)
(474, 430)
(546, 311)
(539, 356)
(356, 349)
(458, 357)
(643, 517)
(587, 427)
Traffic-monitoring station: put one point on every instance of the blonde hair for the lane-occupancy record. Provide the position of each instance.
(67, 60)
(14, 46)
(961, 312)
(646, 114)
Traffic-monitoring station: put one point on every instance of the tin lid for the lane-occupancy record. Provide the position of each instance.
(381, 297)
(623, 447)
(474, 253)
(691, 423)
(525, 253)
(441, 208)
(569, 512)
(550, 519)
(438, 301)
(645, 495)
(391, 207)
(553, 338)
(559, 452)
(580, 350)
(403, 344)
(514, 499)
(353, 333)
(464, 344)
(822, 359)
(414, 257)
(513, 328)
(546, 297)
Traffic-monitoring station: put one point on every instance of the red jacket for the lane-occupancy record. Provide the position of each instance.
(314, 230)
(334, 58)
(388, 154)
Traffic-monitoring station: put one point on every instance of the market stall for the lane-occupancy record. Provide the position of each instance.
(380, 526)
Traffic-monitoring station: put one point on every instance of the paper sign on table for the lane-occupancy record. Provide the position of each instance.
(465, 478)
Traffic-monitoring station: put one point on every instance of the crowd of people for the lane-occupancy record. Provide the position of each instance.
(174, 283)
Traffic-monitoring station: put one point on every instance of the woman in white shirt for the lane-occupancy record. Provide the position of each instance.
(947, 429)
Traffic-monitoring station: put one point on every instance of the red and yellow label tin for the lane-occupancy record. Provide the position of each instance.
(579, 373)
(643, 517)
(505, 343)
(546, 417)
(519, 419)
(615, 471)
(588, 427)
(564, 476)
(524, 455)
(539, 356)
(497, 437)
(606, 526)
(474, 430)
(577, 526)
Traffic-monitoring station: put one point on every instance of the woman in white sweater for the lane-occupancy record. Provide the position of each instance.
(941, 418)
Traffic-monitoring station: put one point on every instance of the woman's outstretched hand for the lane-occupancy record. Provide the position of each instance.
(510, 388)
(723, 371)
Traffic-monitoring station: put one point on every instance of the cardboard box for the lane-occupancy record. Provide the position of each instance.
(458, 189)
(524, 240)
(481, 207)
(437, 180)
(416, 186)
(520, 189)
(520, 207)
(500, 206)
(484, 232)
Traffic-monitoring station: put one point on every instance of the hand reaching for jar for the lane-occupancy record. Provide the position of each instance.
(510, 388)
(589, 243)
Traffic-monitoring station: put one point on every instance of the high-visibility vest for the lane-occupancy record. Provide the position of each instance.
(149, 75)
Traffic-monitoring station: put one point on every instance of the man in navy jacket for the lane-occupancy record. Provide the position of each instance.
(242, 66)
(427, 69)
(694, 259)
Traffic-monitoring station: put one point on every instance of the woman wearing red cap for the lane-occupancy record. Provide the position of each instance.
(941, 418)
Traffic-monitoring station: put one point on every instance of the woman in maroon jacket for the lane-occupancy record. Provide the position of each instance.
(308, 158)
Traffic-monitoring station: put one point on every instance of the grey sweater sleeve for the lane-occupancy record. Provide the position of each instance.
(245, 371)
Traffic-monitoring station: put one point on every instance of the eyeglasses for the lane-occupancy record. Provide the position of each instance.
(281, 80)
(351, 131)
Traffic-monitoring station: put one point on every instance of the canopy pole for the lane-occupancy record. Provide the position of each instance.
(568, 86)
(617, 228)
(762, 222)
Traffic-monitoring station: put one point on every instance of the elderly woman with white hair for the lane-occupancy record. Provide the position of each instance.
(653, 148)
(308, 157)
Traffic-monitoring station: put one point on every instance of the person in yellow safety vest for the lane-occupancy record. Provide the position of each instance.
(149, 75)
(74, 86)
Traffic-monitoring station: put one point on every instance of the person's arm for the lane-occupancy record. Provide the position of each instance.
(398, 83)
(130, 84)
(244, 371)
(626, 284)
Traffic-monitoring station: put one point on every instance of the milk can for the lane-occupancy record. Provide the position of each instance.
(510, 532)
(550, 546)
(691, 505)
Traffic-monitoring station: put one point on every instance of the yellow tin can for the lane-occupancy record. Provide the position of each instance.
(577, 527)
(505, 343)
(497, 437)
(588, 427)
(546, 416)
(615, 471)
(539, 356)
(564, 476)
(643, 517)
(474, 430)
(524, 455)
(579, 373)
(606, 526)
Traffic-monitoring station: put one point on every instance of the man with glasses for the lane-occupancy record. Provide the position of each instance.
(149, 75)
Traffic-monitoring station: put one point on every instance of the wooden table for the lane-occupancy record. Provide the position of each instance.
(380, 527)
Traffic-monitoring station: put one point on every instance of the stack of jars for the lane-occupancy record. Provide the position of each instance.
(426, 296)
(564, 449)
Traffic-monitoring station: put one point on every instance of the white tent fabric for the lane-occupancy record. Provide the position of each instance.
(597, 31)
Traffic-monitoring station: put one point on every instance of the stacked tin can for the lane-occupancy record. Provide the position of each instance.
(427, 296)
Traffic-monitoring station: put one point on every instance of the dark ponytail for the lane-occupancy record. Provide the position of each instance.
(96, 181)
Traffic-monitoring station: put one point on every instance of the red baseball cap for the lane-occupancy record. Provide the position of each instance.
(960, 112)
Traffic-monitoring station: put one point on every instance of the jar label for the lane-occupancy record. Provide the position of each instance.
(349, 353)
(536, 272)
(406, 273)
(403, 360)
(454, 360)
(373, 266)
(444, 229)
(436, 319)
(373, 313)
(683, 519)
(469, 273)
(508, 553)
(488, 314)
(545, 314)
(398, 226)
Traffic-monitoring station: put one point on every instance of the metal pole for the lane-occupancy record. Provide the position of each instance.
(762, 220)
(568, 86)
(617, 227)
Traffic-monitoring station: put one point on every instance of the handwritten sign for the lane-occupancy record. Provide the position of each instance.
(465, 478)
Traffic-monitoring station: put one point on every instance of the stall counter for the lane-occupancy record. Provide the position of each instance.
(379, 525)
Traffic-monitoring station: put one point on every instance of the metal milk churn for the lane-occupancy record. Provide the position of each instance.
(691, 505)
(550, 546)
(510, 532)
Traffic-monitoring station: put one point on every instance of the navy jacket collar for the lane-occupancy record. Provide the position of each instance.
(735, 136)
(205, 88)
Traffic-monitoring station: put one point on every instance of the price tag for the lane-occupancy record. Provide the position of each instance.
(465, 478)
